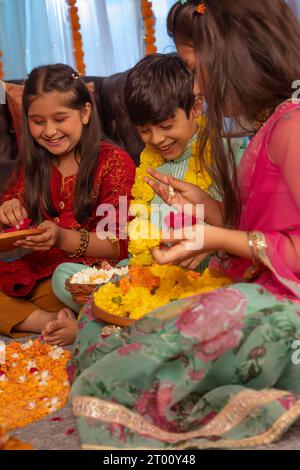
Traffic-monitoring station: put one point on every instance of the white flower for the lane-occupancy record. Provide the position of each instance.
(2, 352)
(15, 355)
(27, 345)
(31, 405)
(43, 378)
(44, 374)
(3, 378)
(14, 364)
(54, 401)
(53, 404)
(56, 353)
(22, 379)
(31, 365)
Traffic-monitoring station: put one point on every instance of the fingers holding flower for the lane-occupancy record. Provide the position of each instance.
(49, 238)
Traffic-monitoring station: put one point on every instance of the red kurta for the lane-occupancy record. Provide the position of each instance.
(114, 177)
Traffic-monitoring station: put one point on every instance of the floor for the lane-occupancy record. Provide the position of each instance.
(58, 432)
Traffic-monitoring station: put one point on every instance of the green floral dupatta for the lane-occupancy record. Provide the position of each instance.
(218, 370)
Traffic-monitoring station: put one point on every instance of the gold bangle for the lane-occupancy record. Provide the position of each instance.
(115, 244)
(84, 242)
(257, 244)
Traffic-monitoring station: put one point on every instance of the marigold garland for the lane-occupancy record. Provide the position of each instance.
(149, 287)
(142, 195)
(149, 24)
(33, 382)
(76, 37)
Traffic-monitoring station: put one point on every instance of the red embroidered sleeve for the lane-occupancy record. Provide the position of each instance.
(114, 182)
(16, 188)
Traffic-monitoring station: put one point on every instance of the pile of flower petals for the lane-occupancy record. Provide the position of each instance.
(33, 382)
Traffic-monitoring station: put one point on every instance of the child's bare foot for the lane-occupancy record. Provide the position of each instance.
(62, 330)
(36, 321)
(105, 265)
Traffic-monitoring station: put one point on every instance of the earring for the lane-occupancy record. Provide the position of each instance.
(198, 106)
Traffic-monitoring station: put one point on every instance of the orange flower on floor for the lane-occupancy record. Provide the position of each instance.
(33, 382)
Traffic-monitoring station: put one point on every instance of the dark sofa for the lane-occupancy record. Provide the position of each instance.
(109, 96)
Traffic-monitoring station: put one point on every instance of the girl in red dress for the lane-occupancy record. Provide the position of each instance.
(66, 172)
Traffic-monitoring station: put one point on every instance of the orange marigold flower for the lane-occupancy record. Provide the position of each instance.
(33, 382)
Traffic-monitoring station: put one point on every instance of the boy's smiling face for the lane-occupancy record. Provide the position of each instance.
(171, 136)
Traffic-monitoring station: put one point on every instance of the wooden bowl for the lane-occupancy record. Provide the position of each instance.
(7, 239)
(109, 318)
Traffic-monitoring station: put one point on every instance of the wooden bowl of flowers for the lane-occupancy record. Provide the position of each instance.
(109, 317)
(148, 288)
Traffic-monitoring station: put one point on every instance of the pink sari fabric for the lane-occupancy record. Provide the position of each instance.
(271, 204)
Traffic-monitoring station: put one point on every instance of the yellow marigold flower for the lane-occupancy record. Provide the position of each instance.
(109, 298)
(151, 158)
(143, 236)
(142, 190)
(143, 259)
(136, 297)
(139, 208)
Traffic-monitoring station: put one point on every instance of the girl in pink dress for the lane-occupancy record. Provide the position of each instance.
(220, 369)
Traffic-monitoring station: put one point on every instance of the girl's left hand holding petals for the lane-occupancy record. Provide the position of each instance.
(43, 241)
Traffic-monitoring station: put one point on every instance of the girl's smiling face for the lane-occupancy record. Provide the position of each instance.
(54, 125)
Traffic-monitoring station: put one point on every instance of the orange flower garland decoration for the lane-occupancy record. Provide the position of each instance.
(33, 382)
(149, 23)
(77, 38)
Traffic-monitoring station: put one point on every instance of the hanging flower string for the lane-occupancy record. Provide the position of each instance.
(33, 382)
(149, 27)
(76, 36)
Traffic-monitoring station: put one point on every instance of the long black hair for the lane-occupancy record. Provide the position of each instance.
(37, 161)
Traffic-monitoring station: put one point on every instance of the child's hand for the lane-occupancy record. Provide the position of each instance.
(184, 196)
(181, 245)
(194, 261)
(44, 241)
(12, 213)
(182, 192)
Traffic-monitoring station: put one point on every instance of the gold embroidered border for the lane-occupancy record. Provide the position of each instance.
(232, 415)
(273, 434)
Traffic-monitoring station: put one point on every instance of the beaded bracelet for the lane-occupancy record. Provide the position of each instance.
(84, 242)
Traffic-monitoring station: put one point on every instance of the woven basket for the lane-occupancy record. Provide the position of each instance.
(80, 292)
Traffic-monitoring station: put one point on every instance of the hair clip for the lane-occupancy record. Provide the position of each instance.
(75, 75)
(183, 2)
(201, 9)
